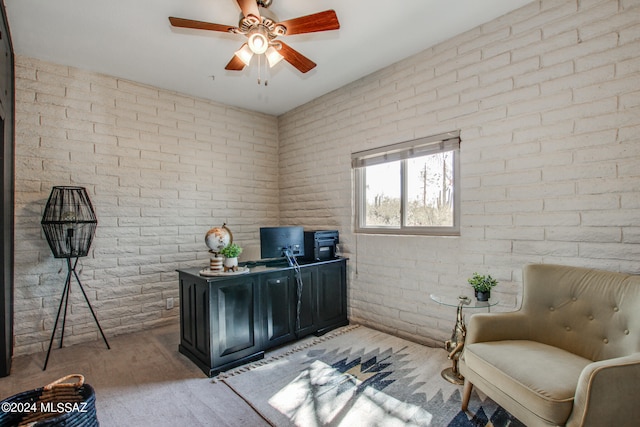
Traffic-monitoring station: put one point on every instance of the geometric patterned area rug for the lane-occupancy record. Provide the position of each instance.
(357, 376)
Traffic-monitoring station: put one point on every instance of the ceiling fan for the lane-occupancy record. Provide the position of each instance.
(262, 28)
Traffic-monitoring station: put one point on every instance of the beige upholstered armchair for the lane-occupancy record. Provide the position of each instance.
(570, 356)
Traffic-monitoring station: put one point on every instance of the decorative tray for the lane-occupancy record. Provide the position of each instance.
(209, 273)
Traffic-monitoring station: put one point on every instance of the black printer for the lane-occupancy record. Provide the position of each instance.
(320, 245)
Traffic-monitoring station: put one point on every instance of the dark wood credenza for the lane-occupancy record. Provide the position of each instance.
(231, 320)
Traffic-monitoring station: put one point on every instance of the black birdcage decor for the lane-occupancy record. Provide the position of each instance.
(69, 222)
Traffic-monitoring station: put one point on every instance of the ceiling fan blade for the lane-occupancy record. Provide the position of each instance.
(249, 7)
(321, 21)
(295, 58)
(199, 25)
(235, 64)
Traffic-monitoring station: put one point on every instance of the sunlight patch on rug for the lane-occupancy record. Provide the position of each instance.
(363, 378)
(322, 395)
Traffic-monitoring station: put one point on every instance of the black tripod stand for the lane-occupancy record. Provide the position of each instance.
(65, 298)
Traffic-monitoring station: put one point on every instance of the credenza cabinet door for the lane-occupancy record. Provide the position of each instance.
(234, 308)
(278, 295)
(331, 291)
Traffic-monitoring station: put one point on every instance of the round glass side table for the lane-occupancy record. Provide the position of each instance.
(455, 345)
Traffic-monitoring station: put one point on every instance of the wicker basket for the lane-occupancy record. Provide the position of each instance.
(61, 403)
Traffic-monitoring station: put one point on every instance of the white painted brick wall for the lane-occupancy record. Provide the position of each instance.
(546, 99)
(161, 168)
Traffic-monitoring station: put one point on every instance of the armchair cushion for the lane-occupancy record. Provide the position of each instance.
(542, 378)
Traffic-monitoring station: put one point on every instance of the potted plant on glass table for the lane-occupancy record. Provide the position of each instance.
(482, 285)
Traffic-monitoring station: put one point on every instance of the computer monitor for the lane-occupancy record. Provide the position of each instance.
(275, 240)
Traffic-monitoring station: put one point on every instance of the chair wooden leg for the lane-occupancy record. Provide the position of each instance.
(466, 394)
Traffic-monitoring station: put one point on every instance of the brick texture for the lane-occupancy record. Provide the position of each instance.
(546, 99)
(161, 169)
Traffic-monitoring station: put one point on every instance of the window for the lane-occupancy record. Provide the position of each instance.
(409, 188)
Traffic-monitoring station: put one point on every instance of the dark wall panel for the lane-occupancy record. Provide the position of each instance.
(7, 187)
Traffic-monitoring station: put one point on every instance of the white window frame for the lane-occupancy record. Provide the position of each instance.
(403, 151)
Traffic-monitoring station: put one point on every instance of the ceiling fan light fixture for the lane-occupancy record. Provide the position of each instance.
(261, 29)
(258, 40)
(273, 56)
(245, 54)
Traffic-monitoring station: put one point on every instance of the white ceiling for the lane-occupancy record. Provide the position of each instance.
(133, 39)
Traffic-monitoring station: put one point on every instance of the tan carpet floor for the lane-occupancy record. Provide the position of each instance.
(142, 381)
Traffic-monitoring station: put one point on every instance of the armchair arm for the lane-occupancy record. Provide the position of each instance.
(607, 393)
(484, 327)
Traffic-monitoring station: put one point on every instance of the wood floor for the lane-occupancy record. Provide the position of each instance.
(141, 381)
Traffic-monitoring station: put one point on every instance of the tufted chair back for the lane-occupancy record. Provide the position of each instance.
(592, 313)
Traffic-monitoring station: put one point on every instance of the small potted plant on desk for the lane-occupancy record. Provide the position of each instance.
(230, 253)
(482, 286)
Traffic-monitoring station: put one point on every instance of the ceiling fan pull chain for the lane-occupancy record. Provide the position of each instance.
(259, 68)
(266, 80)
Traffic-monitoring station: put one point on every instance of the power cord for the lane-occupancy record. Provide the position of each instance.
(293, 262)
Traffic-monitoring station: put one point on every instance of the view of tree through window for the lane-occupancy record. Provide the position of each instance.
(429, 192)
(409, 188)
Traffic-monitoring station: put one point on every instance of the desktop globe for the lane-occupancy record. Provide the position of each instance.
(218, 238)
